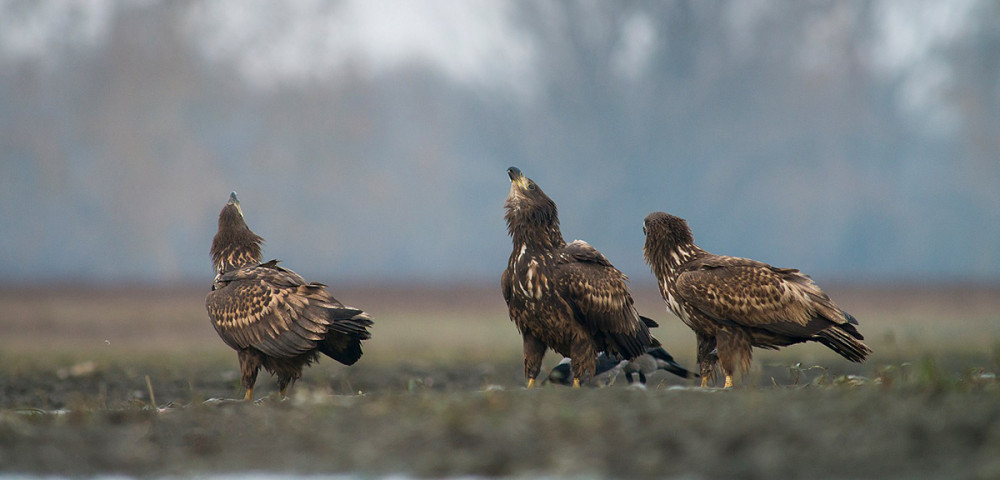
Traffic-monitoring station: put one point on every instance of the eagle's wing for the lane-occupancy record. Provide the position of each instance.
(273, 310)
(599, 295)
(754, 294)
(505, 285)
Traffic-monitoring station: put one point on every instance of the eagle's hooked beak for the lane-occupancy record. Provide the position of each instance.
(513, 172)
(517, 177)
(235, 201)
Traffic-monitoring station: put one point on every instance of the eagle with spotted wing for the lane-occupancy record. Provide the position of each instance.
(270, 315)
(734, 304)
(563, 296)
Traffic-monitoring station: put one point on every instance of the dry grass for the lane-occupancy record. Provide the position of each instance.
(924, 406)
(423, 324)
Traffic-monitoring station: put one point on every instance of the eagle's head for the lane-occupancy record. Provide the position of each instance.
(234, 245)
(664, 232)
(530, 212)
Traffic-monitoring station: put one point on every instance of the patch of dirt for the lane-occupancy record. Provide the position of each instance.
(440, 395)
(449, 420)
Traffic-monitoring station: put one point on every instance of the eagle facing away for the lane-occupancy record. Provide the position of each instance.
(270, 315)
(567, 297)
(734, 304)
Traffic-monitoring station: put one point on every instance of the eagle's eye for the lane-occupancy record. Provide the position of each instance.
(531, 185)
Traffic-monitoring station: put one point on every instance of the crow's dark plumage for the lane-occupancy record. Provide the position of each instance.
(655, 358)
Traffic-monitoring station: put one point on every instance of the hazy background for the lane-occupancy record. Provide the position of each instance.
(368, 140)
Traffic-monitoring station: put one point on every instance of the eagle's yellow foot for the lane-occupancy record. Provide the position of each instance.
(576, 383)
(704, 382)
(282, 392)
(531, 383)
(729, 382)
(248, 396)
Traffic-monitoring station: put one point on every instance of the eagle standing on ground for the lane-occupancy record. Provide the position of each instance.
(734, 304)
(270, 315)
(567, 297)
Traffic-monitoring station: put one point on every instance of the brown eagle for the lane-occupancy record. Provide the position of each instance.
(270, 315)
(567, 297)
(734, 304)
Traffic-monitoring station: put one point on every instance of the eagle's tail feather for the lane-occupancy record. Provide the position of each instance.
(348, 328)
(631, 346)
(667, 362)
(844, 341)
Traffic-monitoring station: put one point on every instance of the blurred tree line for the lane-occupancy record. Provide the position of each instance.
(855, 140)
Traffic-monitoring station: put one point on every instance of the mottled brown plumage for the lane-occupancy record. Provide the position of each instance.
(270, 315)
(234, 244)
(734, 304)
(567, 297)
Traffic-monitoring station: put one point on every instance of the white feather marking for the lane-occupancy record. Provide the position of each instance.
(530, 275)
(674, 305)
(524, 289)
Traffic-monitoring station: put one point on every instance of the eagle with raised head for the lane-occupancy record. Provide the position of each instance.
(563, 296)
(734, 304)
(270, 315)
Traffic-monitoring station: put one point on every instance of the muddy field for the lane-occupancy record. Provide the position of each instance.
(124, 381)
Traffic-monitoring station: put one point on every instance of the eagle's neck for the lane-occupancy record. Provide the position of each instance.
(546, 239)
(534, 228)
(234, 245)
(666, 260)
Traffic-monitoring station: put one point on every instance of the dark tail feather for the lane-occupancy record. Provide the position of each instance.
(350, 321)
(850, 326)
(631, 346)
(666, 362)
(343, 339)
(653, 342)
(343, 349)
(844, 339)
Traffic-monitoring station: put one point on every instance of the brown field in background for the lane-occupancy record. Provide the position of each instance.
(80, 371)
(432, 324)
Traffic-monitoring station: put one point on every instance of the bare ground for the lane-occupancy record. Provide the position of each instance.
(438, 393)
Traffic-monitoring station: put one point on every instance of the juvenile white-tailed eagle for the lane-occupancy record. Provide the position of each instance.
(567, 297)
(270, 315)
(734, 304)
